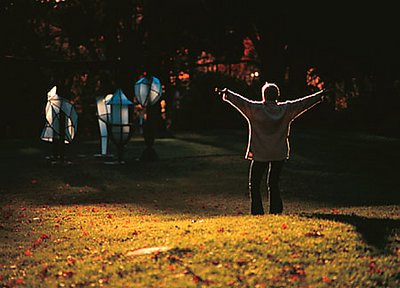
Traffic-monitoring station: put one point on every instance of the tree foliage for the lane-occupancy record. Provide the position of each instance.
(89, 48)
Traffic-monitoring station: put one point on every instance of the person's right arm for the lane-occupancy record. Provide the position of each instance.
(236, 100)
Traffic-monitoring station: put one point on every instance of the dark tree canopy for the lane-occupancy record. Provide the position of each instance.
(45, 41)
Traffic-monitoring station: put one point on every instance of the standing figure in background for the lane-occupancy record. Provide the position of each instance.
(268, 140)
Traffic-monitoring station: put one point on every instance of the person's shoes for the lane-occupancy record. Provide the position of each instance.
(275, 211)
(257, 213)
(256, 208)
(276, 207)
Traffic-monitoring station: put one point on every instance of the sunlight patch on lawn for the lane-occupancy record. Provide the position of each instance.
(90, 245)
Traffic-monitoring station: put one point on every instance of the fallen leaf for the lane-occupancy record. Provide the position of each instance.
(215, 262)
(326, 280)
(37, 242)
(171, 267)
(197, 279)
(44, 236)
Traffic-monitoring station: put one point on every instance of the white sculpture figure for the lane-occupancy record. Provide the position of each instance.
(119, 126)
(59, 111)
(103, 114)
(148, 90)
(61, 122)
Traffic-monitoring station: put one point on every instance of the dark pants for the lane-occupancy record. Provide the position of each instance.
(256, 173)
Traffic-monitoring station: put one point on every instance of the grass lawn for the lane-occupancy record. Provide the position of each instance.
(183, 221)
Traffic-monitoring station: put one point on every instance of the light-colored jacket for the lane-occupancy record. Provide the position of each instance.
(269, 123)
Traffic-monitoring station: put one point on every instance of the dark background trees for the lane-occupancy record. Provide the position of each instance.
(90, 48)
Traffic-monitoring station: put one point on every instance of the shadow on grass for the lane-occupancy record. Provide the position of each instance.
(189, 178)
(324, 168)
(376, 232)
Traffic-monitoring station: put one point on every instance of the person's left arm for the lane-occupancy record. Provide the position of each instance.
(299, 106)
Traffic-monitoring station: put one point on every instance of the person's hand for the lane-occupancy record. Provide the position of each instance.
(220, 92)
(326, 95)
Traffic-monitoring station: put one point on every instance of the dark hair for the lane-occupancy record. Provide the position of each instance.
(272, 93)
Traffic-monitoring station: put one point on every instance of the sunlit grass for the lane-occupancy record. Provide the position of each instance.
(89, 245)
